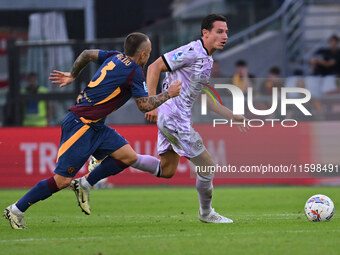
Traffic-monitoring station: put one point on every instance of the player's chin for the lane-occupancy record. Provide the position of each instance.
(220, 47)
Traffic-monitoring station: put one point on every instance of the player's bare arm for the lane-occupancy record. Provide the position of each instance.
(146, 104)
(66, 78)
(226, 113)
(153, 73)
(84, 58)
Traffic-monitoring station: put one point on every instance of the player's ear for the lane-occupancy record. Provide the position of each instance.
(205, 32)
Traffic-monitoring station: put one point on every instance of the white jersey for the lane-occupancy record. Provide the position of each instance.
(191, 65)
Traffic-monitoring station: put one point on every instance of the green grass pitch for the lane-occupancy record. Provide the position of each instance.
(267, 220)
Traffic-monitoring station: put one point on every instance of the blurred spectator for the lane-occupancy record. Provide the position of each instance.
(265, 88)
(35, 112)
(242, 78)
(327, 61)
(296, 80)
(273, 80)
(300, 83)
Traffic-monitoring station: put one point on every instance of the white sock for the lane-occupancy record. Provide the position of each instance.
(85, 183)
(15, 209)
(149, 164)
(204, 188)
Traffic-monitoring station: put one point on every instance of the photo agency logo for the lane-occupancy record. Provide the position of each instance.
(238, 101)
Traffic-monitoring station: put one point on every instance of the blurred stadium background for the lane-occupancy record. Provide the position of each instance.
(274, 40)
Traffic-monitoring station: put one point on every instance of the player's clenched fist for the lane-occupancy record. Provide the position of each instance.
(175, 89)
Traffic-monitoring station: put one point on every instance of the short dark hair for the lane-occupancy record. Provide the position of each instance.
(133, 42)
(241, 62)
(208, 21)
(275, 70)
(334, 37)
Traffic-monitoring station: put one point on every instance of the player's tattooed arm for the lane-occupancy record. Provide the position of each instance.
(66, 78)
(146, 104)
(83, 59)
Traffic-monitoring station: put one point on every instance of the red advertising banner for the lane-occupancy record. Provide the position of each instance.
(28, 154)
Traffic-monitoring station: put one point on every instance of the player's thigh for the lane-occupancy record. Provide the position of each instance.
(204, 159)
(76, 145)
(116, 146)
(169, 163)
(125, 154)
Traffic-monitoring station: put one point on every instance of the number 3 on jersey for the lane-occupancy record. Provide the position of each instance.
(106, 68)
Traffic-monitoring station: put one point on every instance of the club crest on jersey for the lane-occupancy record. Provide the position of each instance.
(70, 170)
(178, 55)
(145, 87)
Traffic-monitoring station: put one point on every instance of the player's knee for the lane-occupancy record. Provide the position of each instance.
(63, 182)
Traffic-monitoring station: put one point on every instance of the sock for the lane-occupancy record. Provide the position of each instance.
(85, 183)
(40, 191)
(204, 188)
(15, 209)
(108, 167)
(148, 164)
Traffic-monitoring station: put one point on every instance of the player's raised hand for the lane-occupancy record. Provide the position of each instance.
(243, 126)
(152, 115)
(175, 88)
(61, 78)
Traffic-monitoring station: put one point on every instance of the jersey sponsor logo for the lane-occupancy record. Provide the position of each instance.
(145, 87)
(178, 55)
(83, 96)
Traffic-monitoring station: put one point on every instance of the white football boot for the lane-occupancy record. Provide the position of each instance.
(16, 220)
(82, 194)
(213, 217)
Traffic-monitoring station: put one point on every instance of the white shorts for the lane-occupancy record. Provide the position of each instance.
(180, 137)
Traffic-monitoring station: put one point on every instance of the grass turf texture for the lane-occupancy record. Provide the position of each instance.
(267, 220)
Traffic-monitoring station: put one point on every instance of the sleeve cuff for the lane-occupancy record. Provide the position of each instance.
(166, 63)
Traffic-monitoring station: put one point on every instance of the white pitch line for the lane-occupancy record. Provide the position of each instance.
(188, 215)
(97, 238)
(156, 236)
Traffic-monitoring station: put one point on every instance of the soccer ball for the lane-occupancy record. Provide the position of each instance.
(319, 208)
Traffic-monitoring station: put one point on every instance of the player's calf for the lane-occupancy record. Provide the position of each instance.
(169, 163)
(62, 182)
(82, 186)
(168, 173)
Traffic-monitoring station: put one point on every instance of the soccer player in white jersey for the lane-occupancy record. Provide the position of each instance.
(191, 64)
